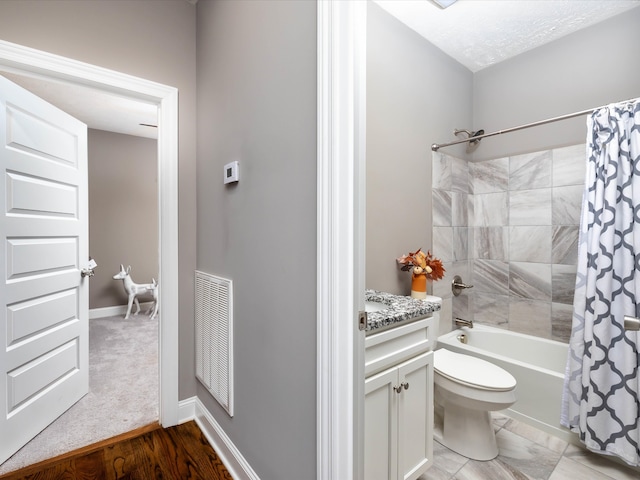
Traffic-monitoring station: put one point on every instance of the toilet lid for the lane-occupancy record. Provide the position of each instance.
(472, 371)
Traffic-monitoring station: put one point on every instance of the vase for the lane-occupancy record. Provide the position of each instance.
(419, 286)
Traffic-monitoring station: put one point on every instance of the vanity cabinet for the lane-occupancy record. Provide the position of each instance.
(398, 421)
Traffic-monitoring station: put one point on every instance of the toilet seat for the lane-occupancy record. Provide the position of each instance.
(471, 371)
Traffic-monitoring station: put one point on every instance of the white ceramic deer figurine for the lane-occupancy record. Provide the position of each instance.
(134, 289)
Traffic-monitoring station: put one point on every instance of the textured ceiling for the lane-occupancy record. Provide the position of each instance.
(480, 33)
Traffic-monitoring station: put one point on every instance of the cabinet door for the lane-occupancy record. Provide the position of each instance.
(381, 426)
(415, 417)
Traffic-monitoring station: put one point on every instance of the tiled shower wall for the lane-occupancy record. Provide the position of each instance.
(509, 226)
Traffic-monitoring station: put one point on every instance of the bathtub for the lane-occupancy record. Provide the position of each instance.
(536, 363)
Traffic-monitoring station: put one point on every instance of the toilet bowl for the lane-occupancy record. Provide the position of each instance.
(467, 389)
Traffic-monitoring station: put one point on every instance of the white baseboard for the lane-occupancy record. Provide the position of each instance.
(238, 467)
(114, 311)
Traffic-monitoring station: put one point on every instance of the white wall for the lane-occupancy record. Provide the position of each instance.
(257, 105)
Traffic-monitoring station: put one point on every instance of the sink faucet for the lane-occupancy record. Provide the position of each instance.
(461, 322)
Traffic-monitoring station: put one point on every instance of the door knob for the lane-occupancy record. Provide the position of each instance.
(88, 271)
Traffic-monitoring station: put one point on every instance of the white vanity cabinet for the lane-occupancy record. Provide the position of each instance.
(398, 421)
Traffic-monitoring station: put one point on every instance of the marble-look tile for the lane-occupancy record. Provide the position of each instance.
(499, 419)
(564, 283)
(442, 288)
(491, 309)
(533, 460)
(564, 244)
(568, 469)
(600, 463)
(530, 207)
(460, 305)
(537, 436)
(489, 176)
(460, 243)
(566, 205)
(531, 170)
(441, 171)
(496, 469)
(460, 175)
(530, 244)
(569, 165)
(561, 317)
(491, 276)
(443, 243)
(459, 209)
(441, 200)
(530, 280)
(491, 209)
(490, 243)
(532, 317)
(446, 318)
(445, 463)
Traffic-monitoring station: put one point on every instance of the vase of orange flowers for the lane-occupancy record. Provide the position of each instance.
(423, 267)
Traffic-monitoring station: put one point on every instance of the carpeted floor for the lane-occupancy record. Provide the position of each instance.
(123, 391)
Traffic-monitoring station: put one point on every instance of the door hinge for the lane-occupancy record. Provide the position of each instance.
(362, 320)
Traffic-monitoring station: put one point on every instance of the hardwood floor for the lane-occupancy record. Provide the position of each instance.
(180, 452)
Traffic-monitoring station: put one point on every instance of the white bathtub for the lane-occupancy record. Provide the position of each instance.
(536, 363)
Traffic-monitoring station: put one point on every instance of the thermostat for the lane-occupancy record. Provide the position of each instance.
(231, 172)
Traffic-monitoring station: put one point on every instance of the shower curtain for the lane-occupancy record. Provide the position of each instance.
(602, 384)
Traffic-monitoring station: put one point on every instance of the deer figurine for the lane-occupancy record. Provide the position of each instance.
(134, 289)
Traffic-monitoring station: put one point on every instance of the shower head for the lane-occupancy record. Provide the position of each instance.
(476, 134)
(472, 143)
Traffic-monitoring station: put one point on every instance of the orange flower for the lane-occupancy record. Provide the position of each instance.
(432, 267)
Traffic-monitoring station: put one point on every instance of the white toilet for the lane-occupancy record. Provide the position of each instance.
(468, 389)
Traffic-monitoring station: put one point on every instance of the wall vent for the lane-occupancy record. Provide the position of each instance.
(214, 337)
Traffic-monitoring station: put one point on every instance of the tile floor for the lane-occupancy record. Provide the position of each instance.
(526, 453)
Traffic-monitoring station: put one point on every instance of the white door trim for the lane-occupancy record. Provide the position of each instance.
(28, 61)
(340, 397)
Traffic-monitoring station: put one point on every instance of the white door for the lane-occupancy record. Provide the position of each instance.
(44, 356)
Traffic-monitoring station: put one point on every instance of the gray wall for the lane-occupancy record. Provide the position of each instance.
(123, 212)
(257, 104)
(416, 96)
(589, 68)
(148, 39)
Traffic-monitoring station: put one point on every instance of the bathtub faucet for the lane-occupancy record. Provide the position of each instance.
(461, 322)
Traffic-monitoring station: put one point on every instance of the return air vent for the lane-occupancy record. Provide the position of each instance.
(214, 337)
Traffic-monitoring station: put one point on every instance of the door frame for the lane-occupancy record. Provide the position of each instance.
(36, 63)
(341, 142)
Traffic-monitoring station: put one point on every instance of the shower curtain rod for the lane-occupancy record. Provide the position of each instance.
(435, 147)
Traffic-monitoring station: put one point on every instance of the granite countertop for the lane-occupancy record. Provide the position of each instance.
(399, 309)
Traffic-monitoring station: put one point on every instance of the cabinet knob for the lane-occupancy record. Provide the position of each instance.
(399, 388)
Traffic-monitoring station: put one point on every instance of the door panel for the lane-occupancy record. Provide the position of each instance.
(28, 195)
(415, 444)
(29, 380)
(27, 318)
(380, 426)
(44, 245)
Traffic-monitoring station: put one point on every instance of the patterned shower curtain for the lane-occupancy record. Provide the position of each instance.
(602, 384)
